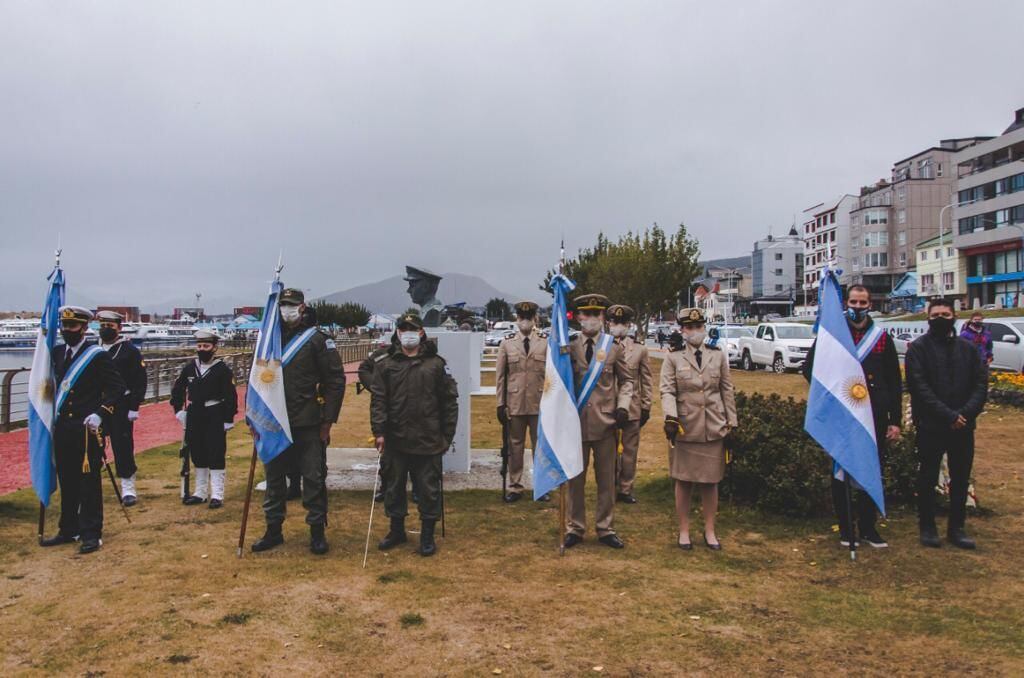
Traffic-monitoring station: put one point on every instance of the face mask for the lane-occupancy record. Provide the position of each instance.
(696, 337)
(591, 325)
(618, 331)
(409, 339)
(525, 326)
(71, 337)
(108, 334)
(204, 356)
(856, 314)
(290, 314)
(940, 326)
(978, 326)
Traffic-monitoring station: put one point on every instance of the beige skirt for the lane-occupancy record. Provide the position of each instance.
(697, 462)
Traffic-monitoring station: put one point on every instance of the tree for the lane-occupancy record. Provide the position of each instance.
(498, 309)
(351, 314)
(648, 271)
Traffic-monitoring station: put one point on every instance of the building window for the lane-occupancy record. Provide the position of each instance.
(901, 194)
(927, 282)
(832, 218)
(778, 256)
(903, 258)
(901, 216)
(923, 256)
(938, 169)
(883, 239)
(778, 288)
(778, 271)
(949, 252)
(947, 280)
(901, 238)
(938, 254)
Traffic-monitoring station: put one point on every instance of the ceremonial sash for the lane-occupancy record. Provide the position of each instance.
(868, 341)
(295, 344)
(77, 367)
(593, 373)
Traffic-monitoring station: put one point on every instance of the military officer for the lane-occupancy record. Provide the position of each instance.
(314, 388)
(619, 319)
(604, 387)
(120, 426)
(205, 401)
(414, 408)
(88, 388)
(519, 382)
(700, 410)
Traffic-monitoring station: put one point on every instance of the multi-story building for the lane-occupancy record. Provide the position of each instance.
(826, 236)
(777, 272)
(941, 272)
(990, 217)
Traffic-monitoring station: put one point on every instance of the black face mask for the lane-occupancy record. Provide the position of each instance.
(108, 334)
(204, 356)
(978, 327)
(940, 326)
(71, 337)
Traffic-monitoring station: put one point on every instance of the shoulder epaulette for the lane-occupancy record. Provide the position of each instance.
(381, 356)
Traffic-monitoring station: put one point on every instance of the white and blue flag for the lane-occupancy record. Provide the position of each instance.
(265, 408)
(839, 403)
(42, 469)
(559, 455)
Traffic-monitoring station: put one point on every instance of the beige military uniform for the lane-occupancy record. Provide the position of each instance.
(639, 366)
(614, 389)
(519, 382)
(701, 396)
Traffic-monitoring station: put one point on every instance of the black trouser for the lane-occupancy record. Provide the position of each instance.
(308, 451)
(958, 446)
(205, 436)
(862, 504)
(81, 494)
(122, 441)
(425, 471)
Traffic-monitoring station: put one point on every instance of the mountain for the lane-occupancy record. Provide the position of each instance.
(389, 295)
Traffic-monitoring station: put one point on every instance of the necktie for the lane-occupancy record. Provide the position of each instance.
(69, 355)
(526, 346)
(697, 354)
(590, 350)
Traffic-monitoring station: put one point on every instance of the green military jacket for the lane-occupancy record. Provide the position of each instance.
(314, 380)
(414, 402)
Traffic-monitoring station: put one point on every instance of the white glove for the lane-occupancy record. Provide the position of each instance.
(181, 415)
(133, 415)
(229, 426)
(93, 422)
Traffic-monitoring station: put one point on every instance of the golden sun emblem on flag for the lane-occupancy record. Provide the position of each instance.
(855, 391)
(268, 372)
(547, 385)
(46, 391)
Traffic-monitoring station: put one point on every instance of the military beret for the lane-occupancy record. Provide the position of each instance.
(410, 320)
(689, 316)
(205, 335)
(620, 313)
(110, 317)
(592, 302)
(292, 297)
(525, 309)
(75, 314)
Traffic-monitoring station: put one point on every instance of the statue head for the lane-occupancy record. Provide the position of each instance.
(422, 284)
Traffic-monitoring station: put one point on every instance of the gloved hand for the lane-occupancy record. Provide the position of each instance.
(502, 414)
(621, 417)
(672, 428)
(133, 415)
(93, 422)
(645, 416)
(228, 426)
(181, 416)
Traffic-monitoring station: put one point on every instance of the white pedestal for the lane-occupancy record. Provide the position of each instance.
(461, 350)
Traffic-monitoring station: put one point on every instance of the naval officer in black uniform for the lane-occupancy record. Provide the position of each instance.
(88, 387)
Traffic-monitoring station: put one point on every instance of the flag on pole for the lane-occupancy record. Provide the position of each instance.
(839, 403)
(559, 455)
(42, 469)
(265, 408)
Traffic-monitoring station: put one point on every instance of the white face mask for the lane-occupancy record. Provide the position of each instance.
(290, 314)
(409, 339)
(591, 326)
(618, 331)
(695, 337)
(525, 326)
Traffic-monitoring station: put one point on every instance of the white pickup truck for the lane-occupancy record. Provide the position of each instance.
(780, 346)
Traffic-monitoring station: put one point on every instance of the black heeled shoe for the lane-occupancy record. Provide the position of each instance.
(713, 547)
(688, 546)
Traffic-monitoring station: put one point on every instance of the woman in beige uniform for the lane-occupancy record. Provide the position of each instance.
(697, 397)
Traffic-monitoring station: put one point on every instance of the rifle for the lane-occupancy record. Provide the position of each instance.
(504, 459)
(185, 469)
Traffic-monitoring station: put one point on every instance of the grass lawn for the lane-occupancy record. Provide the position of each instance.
(167, 594)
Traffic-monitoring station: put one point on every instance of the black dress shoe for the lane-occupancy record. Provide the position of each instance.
(317, 540)
(216, 503)
(571, 540)
(193, 500)
(688, 546)
(959, 539)
(129, 500)
(930, 537)
(613, 541)
(57, 540)
(271, 538)
(713, 547)
(90, 545)
(513, 497)
(625, 498)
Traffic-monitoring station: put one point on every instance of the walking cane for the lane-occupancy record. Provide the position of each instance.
(248, 499)
(373, 502)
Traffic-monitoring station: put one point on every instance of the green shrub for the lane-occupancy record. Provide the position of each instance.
(777, 468)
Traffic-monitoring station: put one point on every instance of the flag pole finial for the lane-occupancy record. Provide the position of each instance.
(56, 254)
(279, 267)
(561, 256)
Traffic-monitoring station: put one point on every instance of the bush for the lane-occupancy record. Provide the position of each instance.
(777, 468)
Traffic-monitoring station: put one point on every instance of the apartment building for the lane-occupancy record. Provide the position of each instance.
(941, 271)
(826, 236)
(777, 272)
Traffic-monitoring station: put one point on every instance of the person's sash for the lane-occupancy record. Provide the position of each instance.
(593, 373)
(77, 367)
(296, 344)
(868, 341)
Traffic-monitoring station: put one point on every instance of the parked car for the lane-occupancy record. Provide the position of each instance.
(780, 346)
(729, 339)
(495, 337)
(1007, 339)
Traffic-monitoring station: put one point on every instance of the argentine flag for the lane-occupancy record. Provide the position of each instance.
(559, 455)
(265, 409)
(42, 470)
(839, 404)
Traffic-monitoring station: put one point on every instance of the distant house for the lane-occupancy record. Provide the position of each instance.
(904, 295)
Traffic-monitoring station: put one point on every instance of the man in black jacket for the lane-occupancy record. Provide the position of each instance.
(948, 386)
(120, 426)
(881, 365)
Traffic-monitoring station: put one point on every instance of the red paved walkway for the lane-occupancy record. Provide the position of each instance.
(156, 426)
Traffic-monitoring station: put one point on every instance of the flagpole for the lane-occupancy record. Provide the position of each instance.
(248, 499)
(849, 516)
(42, 521)
(561, 518)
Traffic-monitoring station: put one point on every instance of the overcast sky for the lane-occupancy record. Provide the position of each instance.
(177, 146)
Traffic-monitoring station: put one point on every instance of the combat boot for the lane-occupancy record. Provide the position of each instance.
(395, 536)
(427, 545)
(269, 540)
(317, 540)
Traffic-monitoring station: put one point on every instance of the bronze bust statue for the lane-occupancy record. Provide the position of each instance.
(423, 291)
